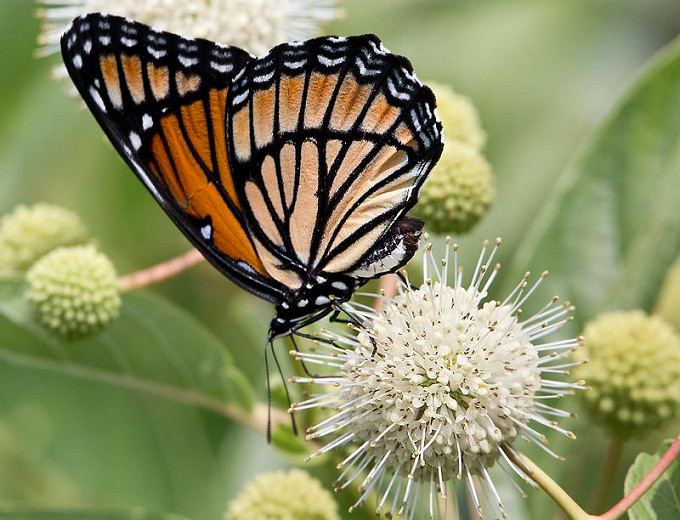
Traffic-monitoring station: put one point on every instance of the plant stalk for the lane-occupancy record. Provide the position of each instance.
(611, 462)
(159, 272)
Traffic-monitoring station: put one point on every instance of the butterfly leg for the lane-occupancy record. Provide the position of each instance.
(316, 339)
(353, 320)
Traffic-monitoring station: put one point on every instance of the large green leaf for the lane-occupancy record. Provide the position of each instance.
(662, 501)
(612, 227)
(151, 347)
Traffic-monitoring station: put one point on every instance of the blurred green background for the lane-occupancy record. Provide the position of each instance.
(543, 74)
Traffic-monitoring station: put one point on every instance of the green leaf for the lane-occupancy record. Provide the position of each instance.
(290, 444)
(612, 226)
(662, 501)
(151, 347)
(77, 514)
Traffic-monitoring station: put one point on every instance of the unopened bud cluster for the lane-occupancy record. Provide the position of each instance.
(283, 495)
(72, 287)
(633, 371)
(460, 188)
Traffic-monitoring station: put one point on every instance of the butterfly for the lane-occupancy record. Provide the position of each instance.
(291, 172)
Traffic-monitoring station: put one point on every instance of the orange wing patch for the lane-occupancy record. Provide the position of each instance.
(109, 67)
(319, 92)
(176, 165)
(349, 103)
(290, 102)
(263, 116)
(132, 70)
(159, 79)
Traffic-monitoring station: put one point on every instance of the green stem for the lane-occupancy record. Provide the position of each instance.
(561, 498)
(612, 459)
(255, 419)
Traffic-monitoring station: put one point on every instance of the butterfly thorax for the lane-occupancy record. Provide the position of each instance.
(311, 301)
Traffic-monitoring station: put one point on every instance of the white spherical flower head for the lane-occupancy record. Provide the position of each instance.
(448, 371)
(438, 384)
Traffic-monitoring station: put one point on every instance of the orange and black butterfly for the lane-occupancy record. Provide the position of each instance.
(291, 172)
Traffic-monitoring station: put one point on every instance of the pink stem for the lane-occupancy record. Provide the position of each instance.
(159, 272)
(646, 483)
(388, 283)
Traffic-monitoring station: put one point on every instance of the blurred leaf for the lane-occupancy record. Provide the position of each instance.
(612, 226)
(135, 514)
(151, 347)
(662, 501)
(290, 444)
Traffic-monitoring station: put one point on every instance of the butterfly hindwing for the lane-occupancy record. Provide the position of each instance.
(162, 101)
(331, 140)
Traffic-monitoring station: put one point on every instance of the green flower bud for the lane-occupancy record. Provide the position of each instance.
(74, 290)
(283, 495)
(633, 371)
(27, 233)
(668, 304)
(458, 115)
(458, 192)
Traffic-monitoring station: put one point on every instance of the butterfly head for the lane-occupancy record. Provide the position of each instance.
(311, 302)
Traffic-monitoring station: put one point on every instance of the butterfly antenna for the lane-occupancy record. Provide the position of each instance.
(268, 345)
(285, 387)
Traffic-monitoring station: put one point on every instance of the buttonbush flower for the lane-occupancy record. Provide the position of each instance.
(633, 371)
(283, 495)
(437, 385)
(253, 25)
(459, 116)
(458, 192)
(74, 290)
(28, 232)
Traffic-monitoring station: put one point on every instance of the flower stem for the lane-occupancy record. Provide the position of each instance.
(561, 498)
(159, 272)
(647, 482)
(611, 462)
(389, 285)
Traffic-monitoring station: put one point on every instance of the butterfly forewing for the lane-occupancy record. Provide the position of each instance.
(162, 100)
(331, 140)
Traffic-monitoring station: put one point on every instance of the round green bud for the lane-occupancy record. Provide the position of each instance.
(458, 192)
(283, 495)
(28, 232)
(74, 290)
(668, 304)
(633, 371)
(458, 115)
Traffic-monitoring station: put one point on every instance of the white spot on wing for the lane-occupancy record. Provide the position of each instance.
(264, 78)
(328, 62)
(135, 140)
(340, 286)
(156, 53)
(147, 121)
(105, 40)
(187, 61)
(97, 99)
(78, 61)
(206, 231)
(321, 300)
(221, 67)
